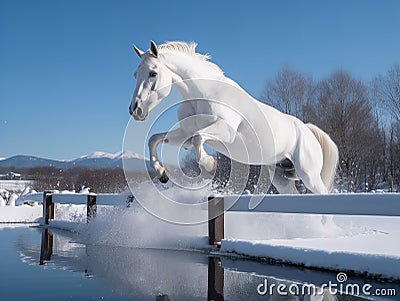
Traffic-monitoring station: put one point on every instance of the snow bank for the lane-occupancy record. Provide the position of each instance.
(19, 208)
(20, 214)
(386, 266)
(30, 196)
(12, 199)
(367, 244)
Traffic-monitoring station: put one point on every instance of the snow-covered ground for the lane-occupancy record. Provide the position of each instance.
(14, 208)
(341, 243)
(368, 244)
(20, 214)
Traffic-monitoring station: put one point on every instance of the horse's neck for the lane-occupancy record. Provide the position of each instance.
(187, 70)
(190, 67)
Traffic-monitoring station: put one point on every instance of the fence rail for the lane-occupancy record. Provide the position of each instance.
(367, 204)
(91, 201)
(14, 184)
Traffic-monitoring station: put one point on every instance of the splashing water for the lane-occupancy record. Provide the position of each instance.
(136, 227)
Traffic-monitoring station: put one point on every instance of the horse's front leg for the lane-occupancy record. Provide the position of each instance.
(176, 137)
(154, 141)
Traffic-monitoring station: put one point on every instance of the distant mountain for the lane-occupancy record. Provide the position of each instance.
(95, 160)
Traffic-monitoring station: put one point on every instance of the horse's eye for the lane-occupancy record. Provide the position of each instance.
(153, 74)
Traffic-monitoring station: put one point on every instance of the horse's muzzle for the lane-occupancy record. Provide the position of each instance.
(139, 115)
(132, 110)
(138, 111)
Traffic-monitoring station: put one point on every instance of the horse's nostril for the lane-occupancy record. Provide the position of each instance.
(139, 111)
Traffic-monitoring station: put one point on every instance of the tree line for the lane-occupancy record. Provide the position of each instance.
(98, 180)
(363, 118)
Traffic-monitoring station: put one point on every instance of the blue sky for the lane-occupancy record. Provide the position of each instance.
(66, 67)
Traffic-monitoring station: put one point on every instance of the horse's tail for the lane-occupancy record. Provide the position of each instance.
(330, 155)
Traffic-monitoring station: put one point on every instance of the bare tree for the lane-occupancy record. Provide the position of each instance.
(344, 112)
(99, 180)
(394, 158)
(289, 92)
(387, 91)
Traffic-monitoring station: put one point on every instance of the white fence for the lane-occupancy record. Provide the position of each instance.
(385, 204)
(91, 200)
(17, 185)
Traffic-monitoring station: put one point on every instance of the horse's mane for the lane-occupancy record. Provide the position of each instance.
(187, 48)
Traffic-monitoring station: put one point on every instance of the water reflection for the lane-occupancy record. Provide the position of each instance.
(153, 274)
(46, 248)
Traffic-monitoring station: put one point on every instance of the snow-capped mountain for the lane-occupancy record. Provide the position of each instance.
(94, 160)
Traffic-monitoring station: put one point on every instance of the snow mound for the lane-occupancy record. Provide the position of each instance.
(20, 214)
(363, 244)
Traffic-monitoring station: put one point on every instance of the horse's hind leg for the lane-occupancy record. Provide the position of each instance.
(308, 162)
(309, 173)
(204, 159)
(314, 183)
(282, 184)
(219, 131)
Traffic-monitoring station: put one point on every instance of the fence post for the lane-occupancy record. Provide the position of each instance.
(91, 206)
(48, 207)
(215, 220)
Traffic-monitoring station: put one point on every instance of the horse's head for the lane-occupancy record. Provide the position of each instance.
(153, 82)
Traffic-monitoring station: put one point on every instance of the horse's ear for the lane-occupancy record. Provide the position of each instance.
(153, 48)
(138, 51)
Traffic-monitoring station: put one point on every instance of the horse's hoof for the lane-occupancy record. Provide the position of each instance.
(164, 177)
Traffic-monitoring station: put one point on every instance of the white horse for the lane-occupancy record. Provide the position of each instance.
(219, 113)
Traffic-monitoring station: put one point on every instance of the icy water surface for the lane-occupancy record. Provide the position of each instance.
(38, 264)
